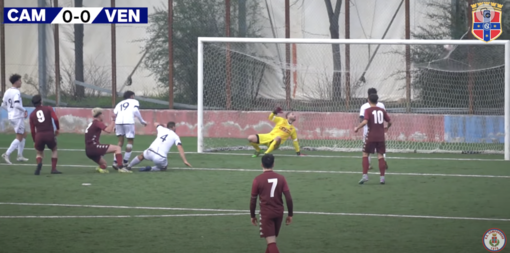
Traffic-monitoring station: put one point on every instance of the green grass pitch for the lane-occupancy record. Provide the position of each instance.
(424, 207)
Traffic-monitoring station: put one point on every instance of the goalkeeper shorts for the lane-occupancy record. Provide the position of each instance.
(265, 139)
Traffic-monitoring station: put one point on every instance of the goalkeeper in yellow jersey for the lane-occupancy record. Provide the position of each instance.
(282, 130)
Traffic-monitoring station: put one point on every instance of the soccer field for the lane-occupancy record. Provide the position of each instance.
(430, 203)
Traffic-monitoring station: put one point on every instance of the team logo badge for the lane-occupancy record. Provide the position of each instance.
(494, 240)
(487, 21)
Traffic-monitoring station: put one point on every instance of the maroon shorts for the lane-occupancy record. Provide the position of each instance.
(45, 139)
(270, 226)
(95, 152)
(374, 146)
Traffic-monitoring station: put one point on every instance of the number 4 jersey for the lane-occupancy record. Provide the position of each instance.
(164, 142)
(375, 118)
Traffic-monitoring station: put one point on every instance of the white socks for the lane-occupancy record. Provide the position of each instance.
(154, 168)
(365, 176)
(21, 146)
(369, 160)
(14, 144)
(127, 155)
(134, 162)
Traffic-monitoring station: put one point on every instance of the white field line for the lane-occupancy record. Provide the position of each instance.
(245, 212)
(293, 171)
(316, 156)
(118, 216)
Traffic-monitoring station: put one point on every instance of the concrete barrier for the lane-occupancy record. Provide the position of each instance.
(236, 124)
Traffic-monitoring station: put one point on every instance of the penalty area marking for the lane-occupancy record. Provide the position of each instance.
(296, 171)
(238, 212)
(316, 156)
(118, 216)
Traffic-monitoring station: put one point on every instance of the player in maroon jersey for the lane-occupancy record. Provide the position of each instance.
(43, 133)
(269, 187)
(94, 149)
(374, 142)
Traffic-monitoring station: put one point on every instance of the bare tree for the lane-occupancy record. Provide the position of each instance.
(334, 15)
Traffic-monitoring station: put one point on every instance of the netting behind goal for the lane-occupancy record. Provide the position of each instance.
(453, 101)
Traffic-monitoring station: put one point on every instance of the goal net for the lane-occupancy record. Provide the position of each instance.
(449, 96)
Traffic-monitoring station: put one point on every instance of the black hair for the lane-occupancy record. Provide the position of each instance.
(170, 124)
(373, 98)
(372, 91)
(14, 78)
(128, 94)
(36, 100)
(268, 161)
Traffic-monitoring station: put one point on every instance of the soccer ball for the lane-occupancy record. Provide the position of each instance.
(448, 47)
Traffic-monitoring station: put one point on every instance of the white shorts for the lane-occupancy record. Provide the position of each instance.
(365, 133)
(159, 160)
(18, 125)
(125, 130)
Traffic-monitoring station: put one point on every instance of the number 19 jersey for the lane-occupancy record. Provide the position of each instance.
(164, 142)
(125, 111)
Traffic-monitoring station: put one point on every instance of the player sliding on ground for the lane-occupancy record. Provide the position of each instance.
(158, 151)
(282, 130)
(365, 128)
(94, 149)
(269, 187)
(125, 113)
(16, 113)
(43, 134)
(374, 118)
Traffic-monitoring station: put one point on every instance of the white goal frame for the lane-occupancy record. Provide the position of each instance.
(200, 73)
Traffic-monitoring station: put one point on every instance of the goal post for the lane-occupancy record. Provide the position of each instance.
(459, 92)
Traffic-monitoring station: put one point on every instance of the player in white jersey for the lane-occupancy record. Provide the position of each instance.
(362, 116)
(158, 151)
(17, 114)
(125, 113)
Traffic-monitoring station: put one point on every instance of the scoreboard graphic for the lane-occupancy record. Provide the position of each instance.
(86, 15)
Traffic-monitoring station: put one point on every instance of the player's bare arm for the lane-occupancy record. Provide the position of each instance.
(361, 125)
(183, 156)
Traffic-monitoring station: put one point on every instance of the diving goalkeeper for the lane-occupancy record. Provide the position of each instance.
(282, 130)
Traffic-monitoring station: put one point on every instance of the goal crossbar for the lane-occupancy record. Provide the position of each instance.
(203, 40)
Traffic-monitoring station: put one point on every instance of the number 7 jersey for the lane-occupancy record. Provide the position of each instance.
(270, 186)
(165, 140)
